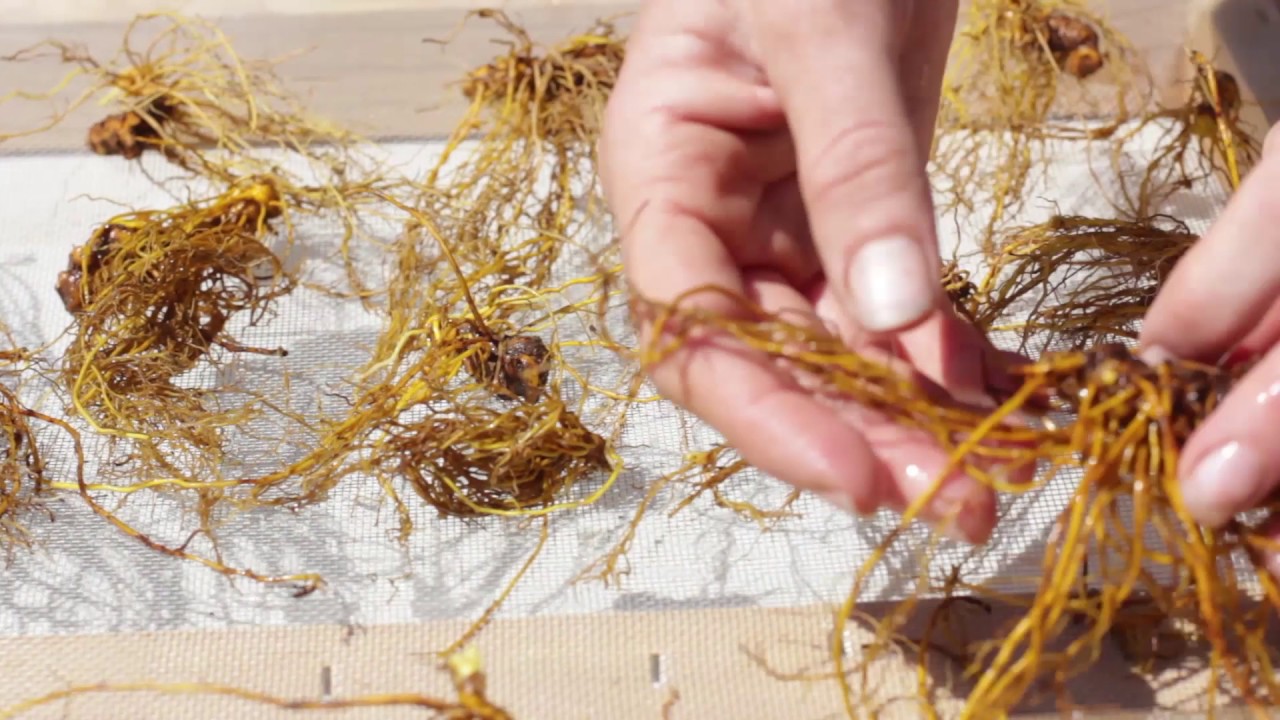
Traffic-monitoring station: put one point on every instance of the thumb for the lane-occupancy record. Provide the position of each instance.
(860, 171)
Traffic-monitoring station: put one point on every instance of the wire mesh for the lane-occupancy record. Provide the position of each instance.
(83, 577)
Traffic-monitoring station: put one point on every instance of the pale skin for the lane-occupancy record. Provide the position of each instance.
(778, 148)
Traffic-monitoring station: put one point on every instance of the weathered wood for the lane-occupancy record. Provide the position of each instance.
(370, 70)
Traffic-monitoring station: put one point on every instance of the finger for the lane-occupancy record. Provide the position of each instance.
(998, 365)
(922, 62)
(944, 349)
(1264, 336)
(779, 236)
(953, 354)
(861, 173)
(681, 56)
(708, 175)
(702, 82)
(1271, 143)
(1232, 462)
(699, 94)
(960, 506)
(642, 143)
(1227, 281)
(678, 187)
(752, 405)
(840, 322)
(734, 389)
(907, 462)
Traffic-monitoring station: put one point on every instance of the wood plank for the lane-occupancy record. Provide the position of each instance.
(370, 70)
(25, 12)
(617, 665)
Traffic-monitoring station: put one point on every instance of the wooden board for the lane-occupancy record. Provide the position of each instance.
(370, 71)
(611, 666)
(368, 68)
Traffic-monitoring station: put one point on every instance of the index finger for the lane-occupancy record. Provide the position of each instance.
(663, 169)
(668, 251)
(1223, 287)
(835, 68)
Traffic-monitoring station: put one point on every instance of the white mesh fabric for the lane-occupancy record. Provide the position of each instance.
(85, 577)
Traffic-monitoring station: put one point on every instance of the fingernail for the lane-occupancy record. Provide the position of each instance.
(840, 500)
(890, 284)
(1155, 355)
(950, 529)
(957, 509)
(1228, 481)
(963, 522)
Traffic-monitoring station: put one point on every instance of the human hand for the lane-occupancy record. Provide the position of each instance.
(1222, 301)
(778, 150)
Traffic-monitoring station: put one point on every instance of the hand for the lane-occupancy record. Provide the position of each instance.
(1223, 300)
(778, 150)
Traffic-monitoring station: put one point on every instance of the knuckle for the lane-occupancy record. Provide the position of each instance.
(808, 20)
(863, 162)
(670, 383)
(670, 376)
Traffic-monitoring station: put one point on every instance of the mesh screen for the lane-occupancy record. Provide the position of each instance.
(84, 577)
